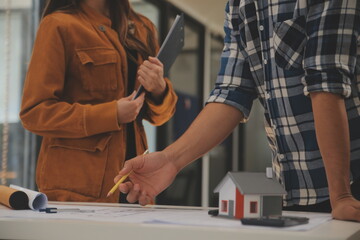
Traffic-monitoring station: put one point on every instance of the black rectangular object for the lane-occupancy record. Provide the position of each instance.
(171, 47)
(173, 44)
(275, 221)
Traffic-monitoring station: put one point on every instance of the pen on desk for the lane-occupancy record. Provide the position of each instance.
(113, 189)
(57, 210)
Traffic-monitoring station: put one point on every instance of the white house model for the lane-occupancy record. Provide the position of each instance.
(250, 195)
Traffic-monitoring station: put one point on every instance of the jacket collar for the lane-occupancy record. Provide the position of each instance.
(95, 16)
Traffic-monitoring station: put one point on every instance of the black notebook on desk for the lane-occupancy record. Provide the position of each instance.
(171, 47)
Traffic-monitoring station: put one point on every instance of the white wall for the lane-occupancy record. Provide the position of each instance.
(247, 200)
(227, 192)
(11, 62)
(208, 12)
(16, 4)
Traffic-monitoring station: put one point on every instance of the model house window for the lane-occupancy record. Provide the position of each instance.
(224, 206)
(253, 207)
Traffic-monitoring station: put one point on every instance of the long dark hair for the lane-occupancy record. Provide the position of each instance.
(121, 14)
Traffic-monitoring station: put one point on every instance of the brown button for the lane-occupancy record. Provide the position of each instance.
(102, 28)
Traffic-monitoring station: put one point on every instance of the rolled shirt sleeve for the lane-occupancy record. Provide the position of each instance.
(158, 114)
(234, 85)
(331, 50)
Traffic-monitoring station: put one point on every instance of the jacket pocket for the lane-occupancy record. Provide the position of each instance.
(289, 43)
(98, 68)
(76, 165)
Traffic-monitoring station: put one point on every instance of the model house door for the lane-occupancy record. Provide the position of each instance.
(231, 208)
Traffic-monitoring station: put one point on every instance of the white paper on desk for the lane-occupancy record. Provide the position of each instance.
(153, 215)
(37, 200)
(201, 218)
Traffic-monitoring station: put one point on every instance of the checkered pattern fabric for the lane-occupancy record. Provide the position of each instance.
(279, 51)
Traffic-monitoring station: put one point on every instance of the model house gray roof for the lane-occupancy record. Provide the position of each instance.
(253, 183)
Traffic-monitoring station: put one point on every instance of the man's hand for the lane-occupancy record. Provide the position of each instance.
(151, 174)
(346, 208)
(154, 172)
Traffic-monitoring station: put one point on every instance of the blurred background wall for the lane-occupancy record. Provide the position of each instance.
(193, 75)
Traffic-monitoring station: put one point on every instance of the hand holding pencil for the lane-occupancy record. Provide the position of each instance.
(113, 189)
(149, 176)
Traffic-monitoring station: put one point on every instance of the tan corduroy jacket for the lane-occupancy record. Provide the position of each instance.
(77, 72)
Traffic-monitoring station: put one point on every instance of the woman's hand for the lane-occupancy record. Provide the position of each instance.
(128, 109)
(151, 76)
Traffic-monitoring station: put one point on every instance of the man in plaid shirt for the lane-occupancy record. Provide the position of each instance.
(301, 60)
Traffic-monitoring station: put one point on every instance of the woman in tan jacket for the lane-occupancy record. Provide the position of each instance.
(88, 58)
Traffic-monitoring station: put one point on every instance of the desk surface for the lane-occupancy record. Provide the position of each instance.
(47, 228)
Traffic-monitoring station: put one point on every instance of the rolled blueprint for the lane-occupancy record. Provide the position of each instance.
(13, 198)
(37, 200)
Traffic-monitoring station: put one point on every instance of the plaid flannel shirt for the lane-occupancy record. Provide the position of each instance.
(279, 51)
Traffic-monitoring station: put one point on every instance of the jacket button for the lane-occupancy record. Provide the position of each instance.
(102, 28)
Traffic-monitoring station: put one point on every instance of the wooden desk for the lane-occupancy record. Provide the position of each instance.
(19, 228)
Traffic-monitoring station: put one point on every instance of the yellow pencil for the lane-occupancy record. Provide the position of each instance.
(113, 189)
